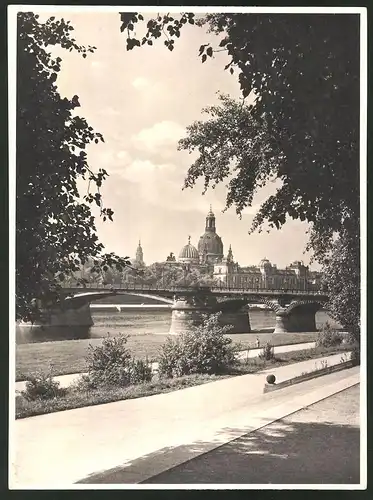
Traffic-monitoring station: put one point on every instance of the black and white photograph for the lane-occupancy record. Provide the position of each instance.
(187, 205)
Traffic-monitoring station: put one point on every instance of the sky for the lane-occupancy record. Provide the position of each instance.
(142, 101)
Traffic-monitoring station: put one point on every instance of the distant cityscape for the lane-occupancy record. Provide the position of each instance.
(208, 259)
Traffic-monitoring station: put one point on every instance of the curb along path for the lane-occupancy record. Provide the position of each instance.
(66, 380)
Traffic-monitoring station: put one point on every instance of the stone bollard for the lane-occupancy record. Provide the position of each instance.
(270, 383)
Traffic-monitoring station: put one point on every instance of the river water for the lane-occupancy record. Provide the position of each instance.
(134, 322)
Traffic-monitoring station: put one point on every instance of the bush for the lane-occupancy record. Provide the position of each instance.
(203, 350)
(268, 352)
(85, 383)
(111, 365)
(112, 353)
(41, 385)
(140, 371)
(328, 337)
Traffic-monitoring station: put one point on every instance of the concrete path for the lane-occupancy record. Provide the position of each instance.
(319, 444)
(60, 449)
(66, 380)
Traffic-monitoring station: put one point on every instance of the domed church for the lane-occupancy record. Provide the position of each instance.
(209, 259)
(210, 245)
(188, 254)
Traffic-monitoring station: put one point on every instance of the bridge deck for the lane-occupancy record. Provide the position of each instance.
(193, 290)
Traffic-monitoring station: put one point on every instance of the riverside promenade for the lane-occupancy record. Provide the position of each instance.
(66, 380)
(141, 438)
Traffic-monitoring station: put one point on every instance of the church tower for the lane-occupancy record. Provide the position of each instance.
(210, 221)
(139, 255)
(210, 245)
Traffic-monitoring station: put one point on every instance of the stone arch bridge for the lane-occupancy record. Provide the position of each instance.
(295, 309)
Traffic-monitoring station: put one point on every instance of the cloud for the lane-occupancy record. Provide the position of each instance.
(160, 136)
(140, 82)
(110, 111)
(97, 64)
(123, 156)
(253, 210)
(114, 162)
(160, 185)
(147, 172)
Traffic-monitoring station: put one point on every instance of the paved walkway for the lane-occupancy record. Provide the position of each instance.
(147, 436)
(317, 445)
(66, 380)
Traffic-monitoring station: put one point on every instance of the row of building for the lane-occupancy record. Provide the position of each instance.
(209, 258)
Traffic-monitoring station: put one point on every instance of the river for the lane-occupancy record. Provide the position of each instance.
(134, 322)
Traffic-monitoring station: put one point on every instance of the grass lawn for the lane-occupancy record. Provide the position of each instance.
(68, 356)
(75, 398)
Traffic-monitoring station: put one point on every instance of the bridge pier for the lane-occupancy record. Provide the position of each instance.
(283, 324)
(297, 318)
(189, 311)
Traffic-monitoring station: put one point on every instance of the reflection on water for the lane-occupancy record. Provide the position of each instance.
(134, 323)
(30, 334)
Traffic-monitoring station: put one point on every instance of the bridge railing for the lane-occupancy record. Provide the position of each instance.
(222, 288)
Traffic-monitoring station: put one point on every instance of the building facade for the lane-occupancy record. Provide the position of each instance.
(208, 258)
(264, 275)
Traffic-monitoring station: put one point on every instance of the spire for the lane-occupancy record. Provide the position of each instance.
(230, 254)
(139, 255)
(210, 221)
(188, 240)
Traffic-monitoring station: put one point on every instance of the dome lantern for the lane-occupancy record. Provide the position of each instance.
(210, 221)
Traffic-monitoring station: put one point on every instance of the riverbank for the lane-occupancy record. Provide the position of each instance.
(68, 356)
(77, 398)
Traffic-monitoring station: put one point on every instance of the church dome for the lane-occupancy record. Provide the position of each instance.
(189, 254)
(210, 243)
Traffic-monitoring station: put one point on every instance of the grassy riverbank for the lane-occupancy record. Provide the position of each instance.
(68, 356)
(75, 398)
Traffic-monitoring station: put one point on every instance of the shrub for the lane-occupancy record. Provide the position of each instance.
(328, 337)
(111, 353)
(112, 365)
(268, 352)
(85, 383)
(171, 360)
(140, 371)
(204, 349)
(41, 385)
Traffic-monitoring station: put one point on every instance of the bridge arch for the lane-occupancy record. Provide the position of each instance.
(297, 305)
(80, 299)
